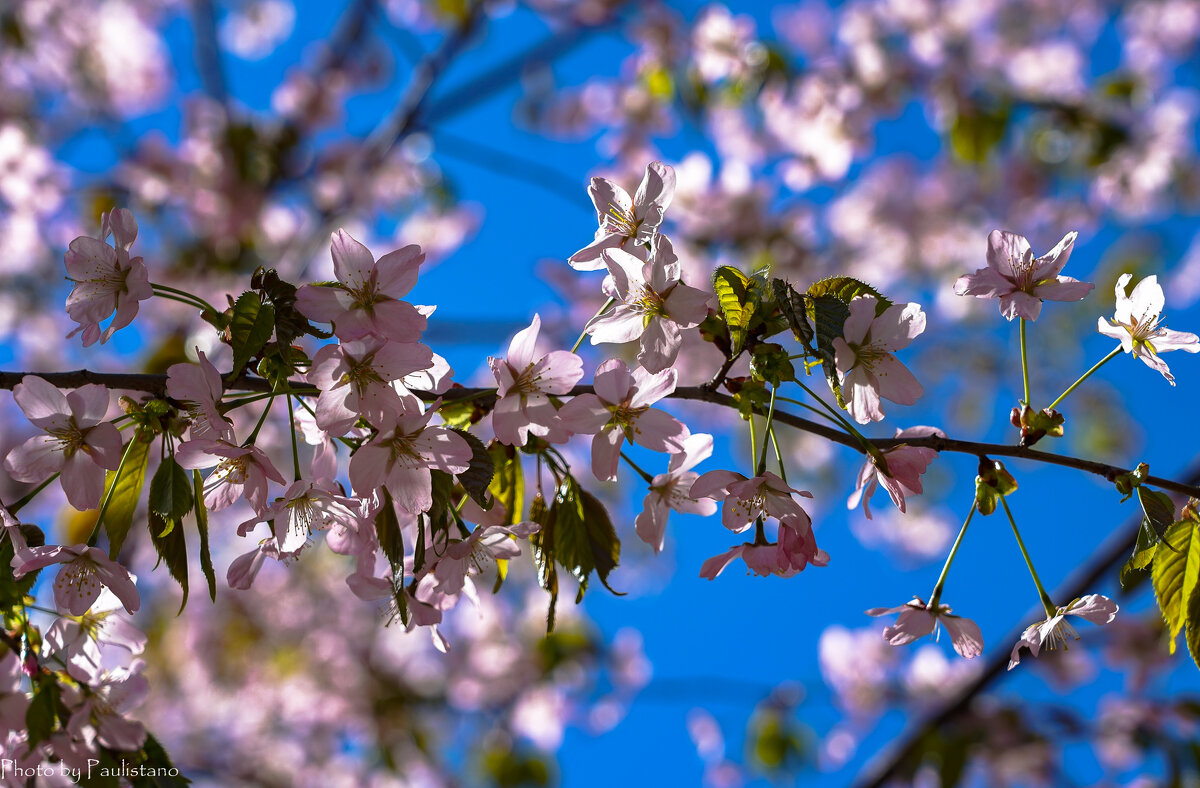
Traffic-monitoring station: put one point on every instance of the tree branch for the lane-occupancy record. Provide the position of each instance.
(157, 384)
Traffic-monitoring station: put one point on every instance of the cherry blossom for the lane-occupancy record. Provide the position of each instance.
(905, 464)
(1137, 324)
(1020, 280)
(917, 620)
(625, 221)
(366, 299)
(672, 490)
(866, 368)
(244, 569)
(76, 639)
(491, 540)
(653, 305)
(748, 499)
(798, 544)
(523, 382)
(104, 707)
(401, 457)
(78, 442)
(240, 469)
(620, 409)
(108, 282)
(796, 549)
(1054, 631)
(86, 571)
(199, 386)
(358, 378)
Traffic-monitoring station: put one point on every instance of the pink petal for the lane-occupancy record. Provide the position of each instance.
(40, 400)
(1005, 247)
(661, 341)
(89, 404)
(621, 324)
(396, 272)
(1064, 289)
(522, 347)
(35, 459)
(1020, 304)
(613, 381)
(353, 263)
(321, 303)
(584, 415)
(659, 431)
(716, 565)
(606, 454)
(896, 382)
(965, 635)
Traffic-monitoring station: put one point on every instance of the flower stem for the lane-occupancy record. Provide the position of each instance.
(778, 454)
(1085, 376)
(16, 507)
(95, 534)
(941, 581)
(762, 458)
(866, 445)
(601, 311)
(760, 532)
(295, 449)
(645, 476)
(195, 300)
(261, 420)
(1047, 602)
(1024, 364)
(753, 443)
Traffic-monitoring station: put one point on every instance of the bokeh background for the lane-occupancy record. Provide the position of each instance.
(878, 138)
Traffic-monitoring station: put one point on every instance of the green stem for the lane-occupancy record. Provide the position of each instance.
(760, 532)
(261, 420)
(645, 476)
(602, 310)
(1047, 602)
(95, 534)
(936, 596)
(753, 442)
(1085, 376)
(778, 455)
(818, 411)
(295, 449)
(867, 446)
(16, 507)
(1024, 364)
(762, 458)
(195, 300)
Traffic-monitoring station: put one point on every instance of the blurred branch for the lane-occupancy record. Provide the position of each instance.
(208, 51)
(515, 167)
(1115, 550)
(157, 384)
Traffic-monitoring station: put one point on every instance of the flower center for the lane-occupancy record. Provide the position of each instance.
(70, 439)
(233, 470)
(622, 221)
(404, 453)
(527, 382)
(648, 302)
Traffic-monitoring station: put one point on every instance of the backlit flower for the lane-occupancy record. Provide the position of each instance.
(523, 383)
(108, 282)
(1055, 630)
(625, 222)
(1020, 280)
(866, 368)
(85, 573)
(1137, 324)
(917, 620)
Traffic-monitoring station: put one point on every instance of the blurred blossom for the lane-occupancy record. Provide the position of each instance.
(855, 665)
(931, 678)
(916, 537)
(253, 30)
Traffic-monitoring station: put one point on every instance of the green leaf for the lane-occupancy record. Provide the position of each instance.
(171, 547)
(976, 132)
(442, 513)
(770, 362)
(156, 758)
(387, 529)
(584, 540)
(126, 491)
(1192, 632)
(206, 564)
(42, 714)
(171, 491)
(738, 299)
(794, 309)
(249, 329)
(1175, 573)
(478, 475)
(542, 542)
(1159, 511)
(828, 315)
(508, 481)
(846, 289)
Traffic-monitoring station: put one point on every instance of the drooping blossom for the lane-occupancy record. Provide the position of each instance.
(1054, 631)
(76, 639)
(796, 549)
(244, 569)
(1020, 280)
(523, 382)
(626, 221)
(672, 490)
(104, 708)
(1137, 325)
(491, 540)
(748, 499)
(199, 386)
(917, 620)
(14, 703)
(401, 457)
(652, 305)
(240, 469)
(85, 572)
(798, 544)
(620, 409)
(357, 378)
(905, 463)
(866, 368)
(77, 440)
(108, 282)
(366, 298)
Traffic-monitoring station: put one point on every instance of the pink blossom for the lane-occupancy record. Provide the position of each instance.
(244, 569)
(1137, 324)
(356, 379)
(401, 457)
(78, 442)
(672, 490)
(798, 544)
(796, 549)
(199, 385)
(523, 382)
(14, 703)
(366, 298)
(620, 409)
(625, 221)
(653, 305)
(906, 464)
(1054, 631)
(85, 572)
(748, 499)
(108, 282)
(489, 542)
(103, 709)
(917, 620)
(240, 469)
(1019, 280)
(76, 639)
(866, 368)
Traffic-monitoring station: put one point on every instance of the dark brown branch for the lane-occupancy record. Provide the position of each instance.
(156, 384)
(1111, 553)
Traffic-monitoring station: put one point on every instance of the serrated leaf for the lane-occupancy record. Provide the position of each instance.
(508, 481)
(250, 329)
(1159, 511)
(736, 295)
(387, 529)
(478, 475)
(441, 512)
(155, 758)
(542, 542)
(171, 491)
(1192, 630)
(583, 536)
(123, 500)
(1174, 575)
(846, 289)
(206, 564)
(171, 547)
(795, 311)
